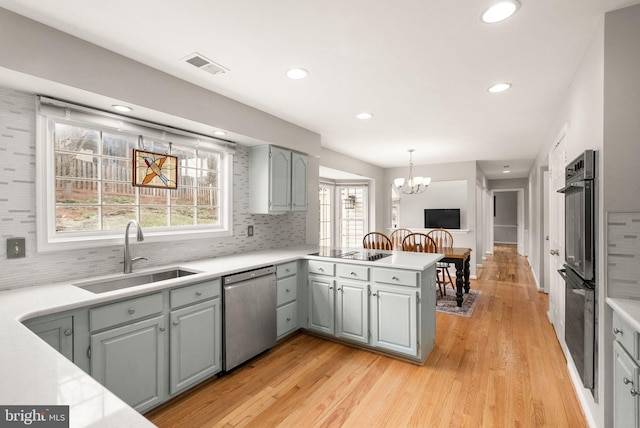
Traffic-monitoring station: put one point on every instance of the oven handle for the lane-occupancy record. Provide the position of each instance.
(563, 273)
(572, 187)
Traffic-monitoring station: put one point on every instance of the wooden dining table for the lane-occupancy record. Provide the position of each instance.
(460, 257)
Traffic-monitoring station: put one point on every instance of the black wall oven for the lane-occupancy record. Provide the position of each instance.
(581, 311)
(579, 215)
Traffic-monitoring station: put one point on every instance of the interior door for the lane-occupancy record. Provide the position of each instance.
(557, 163)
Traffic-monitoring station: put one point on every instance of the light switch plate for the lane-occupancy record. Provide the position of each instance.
(15, 248)
(249, 230)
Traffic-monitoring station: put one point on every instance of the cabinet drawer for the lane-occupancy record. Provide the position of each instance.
(321, 268)
(626, 335)
(287, 318)
(287, 269)
(287, 289)
(396, 276)
(194, 293)
(353, 272)
(125, 311)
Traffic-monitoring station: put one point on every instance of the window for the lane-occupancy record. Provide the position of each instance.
(353, 215)
(348, 203)
(87, 175)
(326, 194)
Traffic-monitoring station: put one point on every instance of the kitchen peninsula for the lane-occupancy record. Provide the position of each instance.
(38, 375)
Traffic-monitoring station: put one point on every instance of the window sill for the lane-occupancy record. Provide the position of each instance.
(150, 236)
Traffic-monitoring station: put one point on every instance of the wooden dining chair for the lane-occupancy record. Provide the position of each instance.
(397, 236)
(419, 242)
(443, 239)
(376, 241)
(422, 243)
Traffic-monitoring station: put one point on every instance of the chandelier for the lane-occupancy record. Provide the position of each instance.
(412, 185)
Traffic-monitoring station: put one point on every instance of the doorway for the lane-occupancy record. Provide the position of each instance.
(507, 218)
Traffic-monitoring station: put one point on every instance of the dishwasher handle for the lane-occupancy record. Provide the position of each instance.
(244, 276)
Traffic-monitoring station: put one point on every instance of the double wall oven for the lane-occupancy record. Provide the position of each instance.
(579, 271)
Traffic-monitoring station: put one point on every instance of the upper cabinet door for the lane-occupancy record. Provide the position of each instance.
(280, 171)
(299, 168)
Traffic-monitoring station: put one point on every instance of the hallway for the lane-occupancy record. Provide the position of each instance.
(503, 367)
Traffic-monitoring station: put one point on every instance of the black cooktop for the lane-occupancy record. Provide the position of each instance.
(363, 255)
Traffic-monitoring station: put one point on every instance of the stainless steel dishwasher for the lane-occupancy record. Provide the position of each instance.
(249, 315)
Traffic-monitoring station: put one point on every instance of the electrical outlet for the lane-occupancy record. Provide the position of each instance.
(249, 230)
(15, 248)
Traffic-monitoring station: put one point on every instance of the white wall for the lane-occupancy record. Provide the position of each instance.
(582, 110)
(457, 171)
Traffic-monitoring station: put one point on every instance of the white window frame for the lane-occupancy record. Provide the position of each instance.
(49, 110)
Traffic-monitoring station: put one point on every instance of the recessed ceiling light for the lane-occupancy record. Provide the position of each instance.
(297, 73)
(123, 109)
(220, 133)
(499, 87)
(506, 169)
(500, 11)
(364, 116)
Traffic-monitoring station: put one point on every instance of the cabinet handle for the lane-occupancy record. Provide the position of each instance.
(161, 329)
(339, 289)
(287, 270)
(321, 269)
(288, 319)
(68, 332)
(616, 330)
(330, 288)
(131, 311)
(633, 392)
(626, 381)
(288, 290)
(198, 294)
(352, 274)
(374, 294)
(175, 323)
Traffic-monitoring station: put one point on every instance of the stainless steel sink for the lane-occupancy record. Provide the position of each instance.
(132, 280)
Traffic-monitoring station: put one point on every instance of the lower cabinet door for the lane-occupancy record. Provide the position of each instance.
(352, 311)
(394, 319)
(321, 304)
(195, 342)
(58, 333)
(129, 361)
(625, 385)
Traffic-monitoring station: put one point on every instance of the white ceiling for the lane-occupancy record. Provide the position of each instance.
(422, 67)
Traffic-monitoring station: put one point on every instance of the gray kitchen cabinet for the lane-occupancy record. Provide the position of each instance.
(352, 302)
(321, 304)
(352, 311)
(299, 168)
(277, 180)
(56, 331)
(391, 310)
(130, 362)
(195, 344)
(626, 375)
(394, 319)
(286, 300)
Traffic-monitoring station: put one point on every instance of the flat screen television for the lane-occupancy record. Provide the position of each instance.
(446, 218)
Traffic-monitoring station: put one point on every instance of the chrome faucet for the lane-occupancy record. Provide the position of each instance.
(128, 261)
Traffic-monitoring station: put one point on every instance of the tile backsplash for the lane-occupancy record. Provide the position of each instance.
(18, 215)
(623, 255)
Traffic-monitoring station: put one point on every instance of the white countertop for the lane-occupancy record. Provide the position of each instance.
(33, 373)
(628, 309)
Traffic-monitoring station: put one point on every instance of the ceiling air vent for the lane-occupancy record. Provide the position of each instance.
(205, 64)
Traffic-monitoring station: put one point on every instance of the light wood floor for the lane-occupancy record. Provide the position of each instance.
(503, 367)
